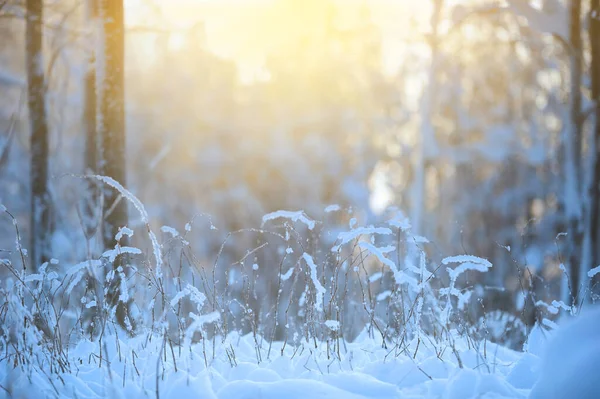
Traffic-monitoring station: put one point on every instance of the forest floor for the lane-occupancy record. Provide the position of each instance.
(244, 367)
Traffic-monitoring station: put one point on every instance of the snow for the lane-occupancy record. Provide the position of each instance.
(592, 272)
(358, 305)
(362, 371)
(347, 236)
(333, 325)
(287, 275)
(400, 221)
(113, 253)
(466, 262)
(319, 289)
(379, 253)
(123, 231)
(250, 367)
(375, 277)
(294, 216)
(571, 359)
(169, 230)
(384, 295)
(332, 208)
(143, 214)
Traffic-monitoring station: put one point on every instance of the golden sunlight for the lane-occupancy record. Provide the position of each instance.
(246, 31)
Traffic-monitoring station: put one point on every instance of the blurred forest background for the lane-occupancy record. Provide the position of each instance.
(476, 119)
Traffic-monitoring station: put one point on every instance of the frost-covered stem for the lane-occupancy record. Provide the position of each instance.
(277, 300)
(40, 197)
(572, 140)
(426, 143)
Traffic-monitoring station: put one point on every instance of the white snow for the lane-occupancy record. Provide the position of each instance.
(363, 370)
(379, 253)
(287, 275)
(375, 277)
(466, 262)
(320, 290)
(384, 295)
(169, 230)
(143, 214)
(592, 272)
(332, 208)
(124, 231)
(294, 216)
(333, 325)
(571, 359)
(347, 236)
(113, 253)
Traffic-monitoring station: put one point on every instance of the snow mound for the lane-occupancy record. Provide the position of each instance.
(141, 367)
(571, 360)
(248, 367)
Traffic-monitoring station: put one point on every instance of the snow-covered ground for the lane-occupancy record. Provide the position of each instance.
(564, 362)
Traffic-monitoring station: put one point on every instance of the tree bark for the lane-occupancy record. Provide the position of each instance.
(112, 115)
(573, 132)
(40, 197)
(110, 68)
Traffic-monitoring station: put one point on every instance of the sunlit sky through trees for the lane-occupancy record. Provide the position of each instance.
(246, 30)
(250, 33)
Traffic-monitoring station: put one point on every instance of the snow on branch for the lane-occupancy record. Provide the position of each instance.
(466, 262)
(294, 216)
(143, 214)
(592, 272)
(320, 290)
(347, 236)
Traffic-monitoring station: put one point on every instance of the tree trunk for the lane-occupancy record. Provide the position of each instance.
(594, 203)
(112, 115)
(91, 214)
(40, 197)
(573, 132)
(427, 146)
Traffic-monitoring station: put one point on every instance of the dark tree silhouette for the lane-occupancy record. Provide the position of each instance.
(573, 162)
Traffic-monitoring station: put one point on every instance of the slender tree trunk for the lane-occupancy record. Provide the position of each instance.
(40, 197)
(594, 195)
(572, 141)
(112, 114)
(111, 117)
(427, 146)
(91, 214)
